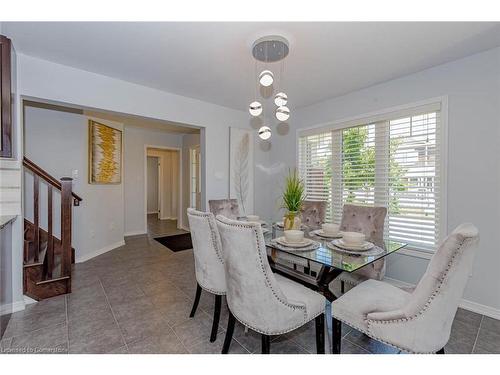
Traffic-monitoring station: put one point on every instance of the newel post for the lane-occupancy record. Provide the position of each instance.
(66, 207)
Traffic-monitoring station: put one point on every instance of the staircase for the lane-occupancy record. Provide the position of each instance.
(48, 259)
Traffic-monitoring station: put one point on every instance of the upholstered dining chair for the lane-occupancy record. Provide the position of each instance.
(226, 207)
(370, 222)
(416, 322)
(313, 213)
(267, 303)
(208, 262)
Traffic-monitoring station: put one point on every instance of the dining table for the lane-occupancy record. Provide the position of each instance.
(317, 268)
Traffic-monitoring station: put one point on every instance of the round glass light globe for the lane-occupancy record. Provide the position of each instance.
(265, 132)
(255, 108)
(280, 99)
(266, 78)
(282, 113)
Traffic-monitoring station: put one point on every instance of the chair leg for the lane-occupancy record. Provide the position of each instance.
(440, 351)
(320, 334)
(215, 323)
(336, 336)
(196, 300)
(266, 343)
(342, 287)
(229, 333)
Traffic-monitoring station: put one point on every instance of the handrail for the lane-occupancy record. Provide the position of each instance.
(48, 178)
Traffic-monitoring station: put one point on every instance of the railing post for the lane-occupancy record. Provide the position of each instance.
(66, 207)
(36, 221)
(50, 238)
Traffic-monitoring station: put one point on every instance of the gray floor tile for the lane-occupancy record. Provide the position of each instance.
(143, 326)
(488, 339)
(91, 325)
(250, 340)
(194, 329)
(369, 344)
(164, 343)
(102, 342)
(462, 338)
(132, 309)
(20, 323)
(284, 347)
(468, 317)
(52, 339)
(347, 347)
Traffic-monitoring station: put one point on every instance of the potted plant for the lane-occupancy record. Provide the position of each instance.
(293, 197)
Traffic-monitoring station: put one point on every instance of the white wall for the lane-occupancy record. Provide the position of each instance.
(472, 86)
(58, 142)
(152, 182)
(135, 142)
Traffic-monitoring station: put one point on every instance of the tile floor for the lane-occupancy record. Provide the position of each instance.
(158, 227)
(137, 299)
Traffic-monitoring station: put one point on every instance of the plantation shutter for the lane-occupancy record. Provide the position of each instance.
(415, 180)
(392, 161)
(315, 168)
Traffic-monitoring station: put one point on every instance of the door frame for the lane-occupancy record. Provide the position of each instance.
(158, 198)
(179, 195)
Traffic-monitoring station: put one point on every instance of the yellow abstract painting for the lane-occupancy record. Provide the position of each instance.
(105, 154)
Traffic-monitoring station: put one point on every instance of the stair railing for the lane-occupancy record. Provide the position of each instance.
(68, 198)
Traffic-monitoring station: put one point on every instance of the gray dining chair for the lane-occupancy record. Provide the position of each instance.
(313, 214)
(265, 302)
(419, 321)
(369, 221)
(208, 262)
(226, 207)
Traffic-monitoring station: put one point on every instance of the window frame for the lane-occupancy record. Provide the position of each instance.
(377, 116)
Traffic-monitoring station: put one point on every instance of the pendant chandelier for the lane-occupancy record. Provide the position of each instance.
(267, 50)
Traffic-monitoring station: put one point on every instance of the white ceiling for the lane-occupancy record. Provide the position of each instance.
(213, 62)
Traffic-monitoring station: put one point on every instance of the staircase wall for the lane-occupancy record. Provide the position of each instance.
(58, 142)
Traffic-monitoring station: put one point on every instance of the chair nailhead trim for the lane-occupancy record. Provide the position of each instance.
(213, 235)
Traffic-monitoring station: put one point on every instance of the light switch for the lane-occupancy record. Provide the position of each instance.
(74, 174)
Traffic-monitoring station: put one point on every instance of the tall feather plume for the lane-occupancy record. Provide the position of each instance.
(241, 171)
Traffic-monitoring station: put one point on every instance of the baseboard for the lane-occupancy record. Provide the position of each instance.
(168, 218)
(135, 233)
(464, 304)
(9, 308)
(105, 249)
(183, 227)
(152, 212)
(480, 309)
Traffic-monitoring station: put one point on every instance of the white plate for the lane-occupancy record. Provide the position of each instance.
(363, 247)
(321, 233)
(305, 242)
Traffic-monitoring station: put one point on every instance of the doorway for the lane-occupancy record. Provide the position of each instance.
(163, 190)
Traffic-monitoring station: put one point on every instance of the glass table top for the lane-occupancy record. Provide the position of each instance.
(329, 257)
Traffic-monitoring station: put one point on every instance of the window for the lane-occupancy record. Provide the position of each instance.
(392, 161)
